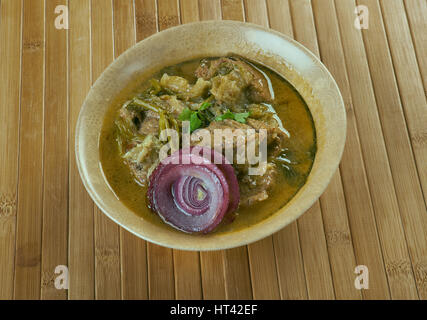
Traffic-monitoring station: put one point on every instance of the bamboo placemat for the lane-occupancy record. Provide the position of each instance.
(373, 213)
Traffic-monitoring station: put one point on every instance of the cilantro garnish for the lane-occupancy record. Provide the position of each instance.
(186, 114)
(193, 116)
(239, 117)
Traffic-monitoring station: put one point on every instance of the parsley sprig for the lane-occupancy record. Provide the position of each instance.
(239, 117)
(195, 117)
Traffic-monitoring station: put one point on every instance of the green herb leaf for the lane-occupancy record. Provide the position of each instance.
(241, 117)
(186, 114)
(143, 105)
(196, 118)
(205, 105)
(227, 115)
(195, 122)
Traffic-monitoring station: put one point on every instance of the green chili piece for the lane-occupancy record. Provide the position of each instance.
(145, 105)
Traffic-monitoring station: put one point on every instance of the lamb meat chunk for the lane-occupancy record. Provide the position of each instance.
(230, 88)
(131, 117)
(150, 124)
(249, 199)
(274, 133)
(173, 105)
(183, 89)
(255, 188)
(276, 137)
(174, 83)
(224, 125)
(210, 68)
(228, 124)
(259, 90)
(199, 89)
(239, 132)
(143, 158)
(142, 122)
(259, 111)
(253, 79)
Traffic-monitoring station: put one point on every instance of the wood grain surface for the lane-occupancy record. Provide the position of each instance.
(373, 213)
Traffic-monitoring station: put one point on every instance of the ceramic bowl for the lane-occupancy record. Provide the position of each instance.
(215, 38)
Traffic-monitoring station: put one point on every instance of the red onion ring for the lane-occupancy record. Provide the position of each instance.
(171, 198)
(186, 191)
(225, 166)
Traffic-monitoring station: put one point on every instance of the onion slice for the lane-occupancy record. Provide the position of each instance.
(225, 166)
(189, 192)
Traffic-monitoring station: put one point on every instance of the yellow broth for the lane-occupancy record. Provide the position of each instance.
(290, 108)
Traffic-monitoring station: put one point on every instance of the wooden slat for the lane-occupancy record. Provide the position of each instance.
(315, 255)
(408, 188)
(334, 212)
(55, 175)
(339, 240)
(290, 268)
(29, 218)
(107, 240)
(81, 247)
(210, 9)
(10, 60)
(133, 251)
(256, 12)
(390, 229)
(280, 16)
(316, 265)
(237, 274)
(160, 273)
(187, 275)
(409, 82)
(287, 247)
(189, 10)
(213, 275)
(263, 269)
(416, 11)
(145, 18)
(167, 12)
(361, 216)
(233, 10)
